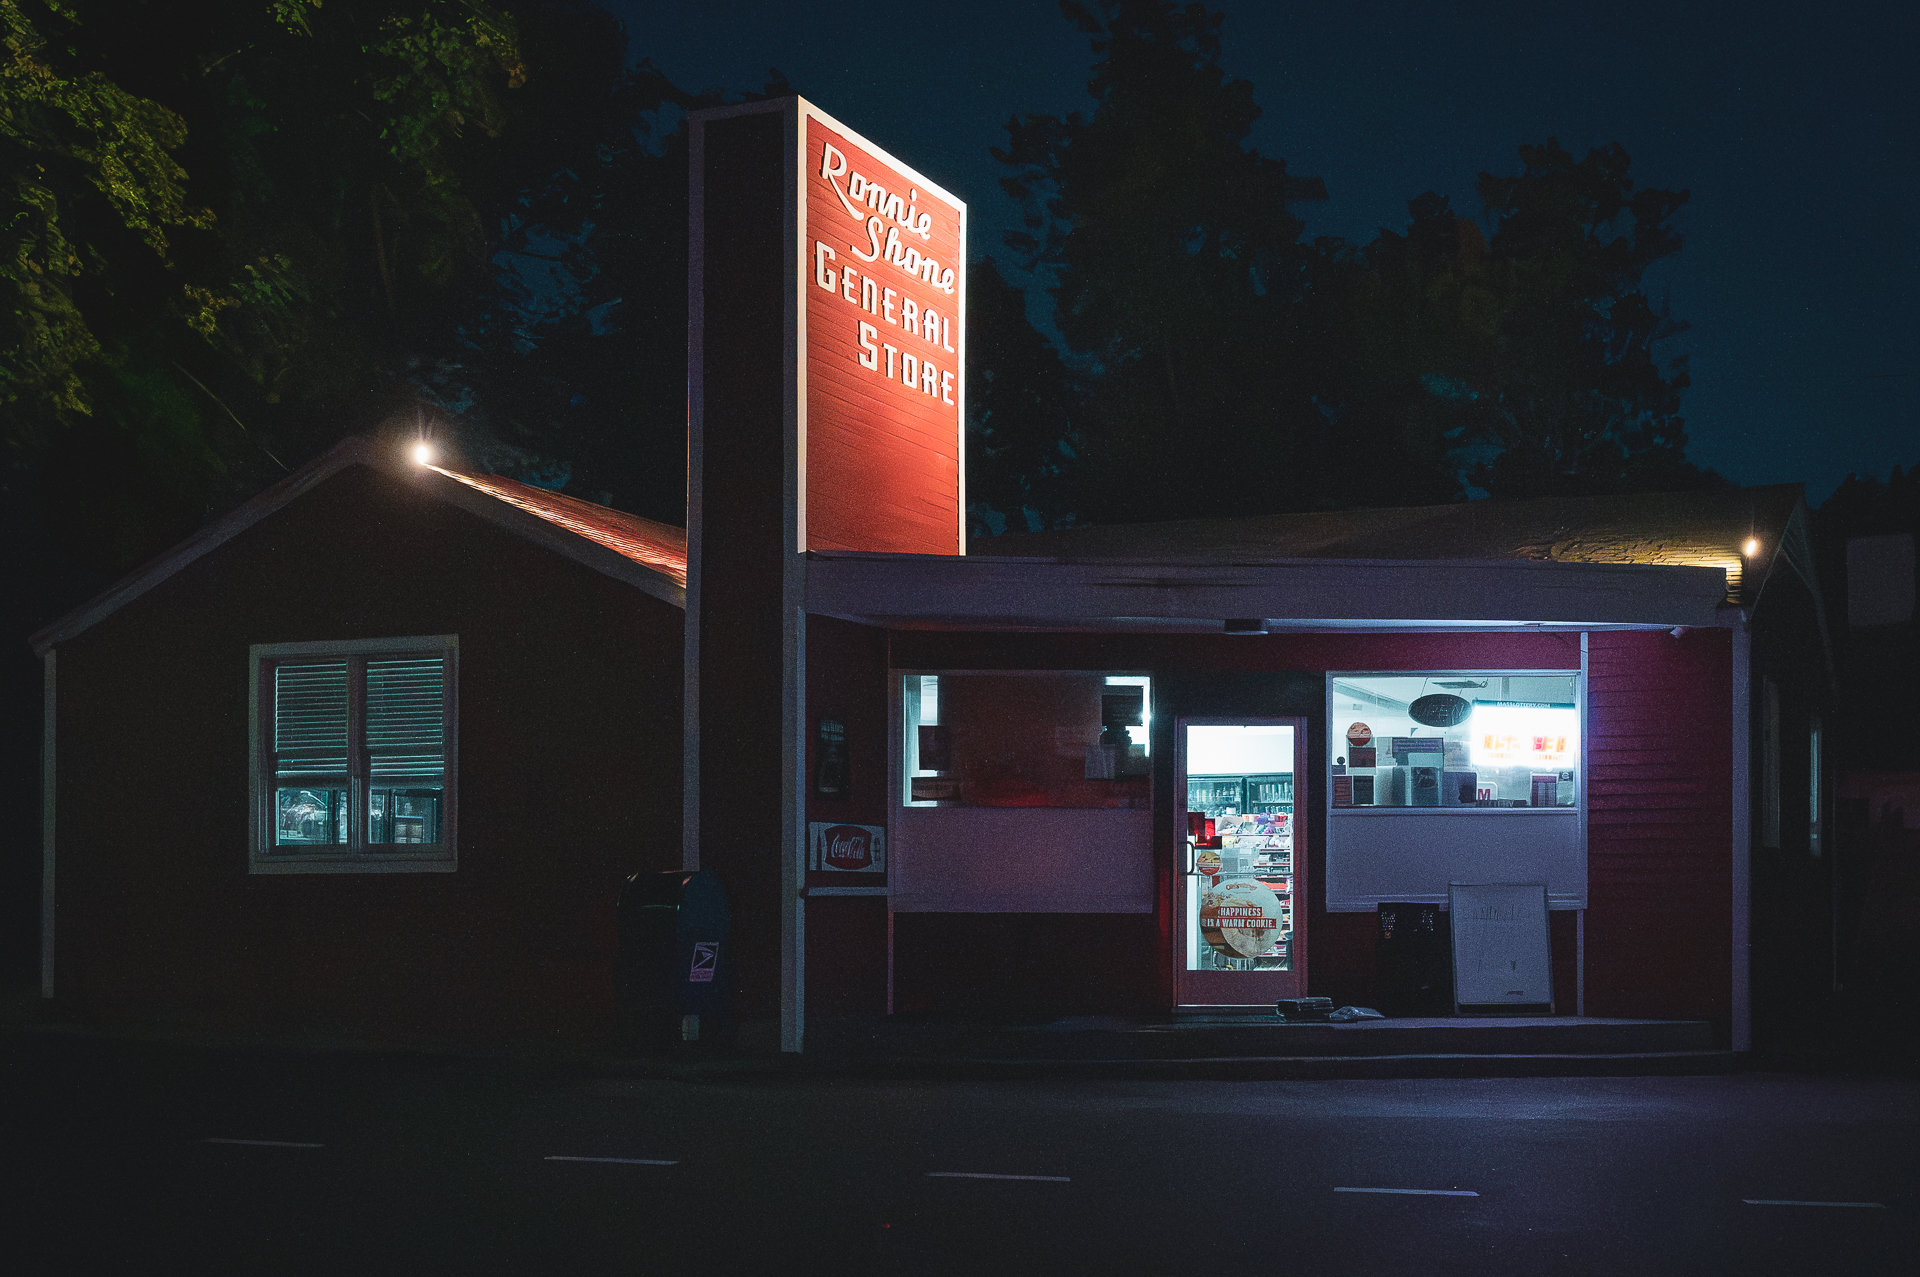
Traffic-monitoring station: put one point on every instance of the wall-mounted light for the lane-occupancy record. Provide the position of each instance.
(1751, 548)
(423, 453)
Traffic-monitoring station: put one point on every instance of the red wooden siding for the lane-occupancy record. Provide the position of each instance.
(847, 936)
(569, 713)
(1660, 824)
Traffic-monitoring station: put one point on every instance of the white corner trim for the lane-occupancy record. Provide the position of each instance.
(47, 758)
(1741, 1027)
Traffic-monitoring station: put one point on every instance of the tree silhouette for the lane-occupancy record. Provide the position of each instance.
(1223, 363)
(1577, 401)
(1172, 256)
(1022, 413)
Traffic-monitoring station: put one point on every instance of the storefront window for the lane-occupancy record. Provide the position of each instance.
(1020, 739)
(1468, 739)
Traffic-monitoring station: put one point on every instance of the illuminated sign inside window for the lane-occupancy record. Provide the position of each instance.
(1519, 734)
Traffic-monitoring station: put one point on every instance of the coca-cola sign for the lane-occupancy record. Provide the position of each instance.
(834, 848)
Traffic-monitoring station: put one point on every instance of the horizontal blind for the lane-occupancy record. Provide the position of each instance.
(310, 717)
(406, 700)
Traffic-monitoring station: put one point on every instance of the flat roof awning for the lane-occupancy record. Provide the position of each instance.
(983, 592)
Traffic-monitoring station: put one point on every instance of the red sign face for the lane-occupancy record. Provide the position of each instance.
(845, 847)
(884, 276)
(837, 848)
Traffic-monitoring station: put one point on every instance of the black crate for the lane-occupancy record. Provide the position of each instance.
(1305, 1008)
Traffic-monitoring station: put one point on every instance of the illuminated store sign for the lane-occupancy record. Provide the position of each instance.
(884, 275)
(1518, 734)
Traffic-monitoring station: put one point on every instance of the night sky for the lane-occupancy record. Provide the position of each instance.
(1795, 128)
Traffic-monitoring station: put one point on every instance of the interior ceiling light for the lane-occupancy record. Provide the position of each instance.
(423, 453)
(1751, 548)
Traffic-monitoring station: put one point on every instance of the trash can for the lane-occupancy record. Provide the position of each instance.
(675, 969)
(1413, 960)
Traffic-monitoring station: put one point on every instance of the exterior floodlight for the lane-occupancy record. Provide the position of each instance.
(423, 454)
(1751, 548)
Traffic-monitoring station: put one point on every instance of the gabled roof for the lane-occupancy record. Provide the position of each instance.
(1693, 529)
(647, 555)
(659, 546)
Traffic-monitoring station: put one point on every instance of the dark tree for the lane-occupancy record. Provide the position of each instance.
(1022, 414)
(569, 368)
(1577, 400)
(1173, 258)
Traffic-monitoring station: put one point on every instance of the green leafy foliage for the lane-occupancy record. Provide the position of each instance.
(71, 138)
(233, 226)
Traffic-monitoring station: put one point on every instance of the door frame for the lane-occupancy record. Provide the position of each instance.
(1271, 985)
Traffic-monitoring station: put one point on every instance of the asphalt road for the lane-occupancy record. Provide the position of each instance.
(143, 1158)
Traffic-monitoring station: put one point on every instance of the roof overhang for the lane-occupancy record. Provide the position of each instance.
(981, 592)
(431, 481)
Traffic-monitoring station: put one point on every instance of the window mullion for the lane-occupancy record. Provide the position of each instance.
(358, 766)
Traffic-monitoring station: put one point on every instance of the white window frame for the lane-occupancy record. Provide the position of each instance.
(1411, 854)
(1770, 777)
(1815, 791)
(354, 856)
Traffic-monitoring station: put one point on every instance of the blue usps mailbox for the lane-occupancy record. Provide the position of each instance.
(675, 961)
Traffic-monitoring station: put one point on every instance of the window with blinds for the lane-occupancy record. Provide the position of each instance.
(406, 749)
(355, 749)
(310, 754)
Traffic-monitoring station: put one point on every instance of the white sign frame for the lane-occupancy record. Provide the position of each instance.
(876, 844)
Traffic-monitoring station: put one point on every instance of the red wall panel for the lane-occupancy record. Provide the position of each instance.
(569, 740)
(1660, 824)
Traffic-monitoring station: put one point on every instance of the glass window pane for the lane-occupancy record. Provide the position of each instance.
(310, 816)
(1025, 740)
(404, 816)
(406, 750)
(1455, 740)
(1239, 781)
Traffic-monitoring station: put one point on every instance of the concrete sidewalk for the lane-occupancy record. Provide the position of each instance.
(1257, 1046)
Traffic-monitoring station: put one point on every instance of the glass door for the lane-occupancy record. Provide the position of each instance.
(1241, 938)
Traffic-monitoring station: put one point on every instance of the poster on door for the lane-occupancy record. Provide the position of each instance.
(1241, 918)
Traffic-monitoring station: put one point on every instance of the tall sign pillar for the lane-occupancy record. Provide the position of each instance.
(825, 346)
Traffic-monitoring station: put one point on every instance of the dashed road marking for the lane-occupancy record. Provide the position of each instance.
(1413, 1192)
(622, 1161)
(1045, 1179)
(262, 1143)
